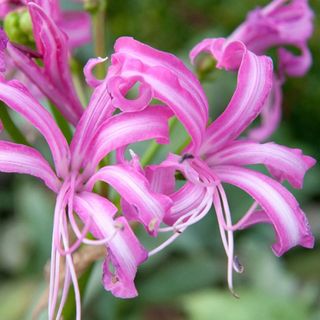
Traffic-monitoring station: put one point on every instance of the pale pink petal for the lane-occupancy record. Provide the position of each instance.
(124, 251)
(127, 128)
(284, 163)
(135, 189)
(16, 158)
(17, 97)
(253, 86)
(270, 115)
(289, 221)
(162, 77)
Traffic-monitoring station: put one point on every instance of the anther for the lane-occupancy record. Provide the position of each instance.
(186, 156)
(238, 267)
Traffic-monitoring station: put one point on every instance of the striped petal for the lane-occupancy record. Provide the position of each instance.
(16, 158)
(127, 128)
(283, 211)
(52, 44)
(283, 163)
(124, 251)
(135, 190)
(98, 110)
(161, 76)
(253, 86)
(270, 115)
(17, 97)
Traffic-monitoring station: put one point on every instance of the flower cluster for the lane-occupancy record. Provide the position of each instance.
(112, 121)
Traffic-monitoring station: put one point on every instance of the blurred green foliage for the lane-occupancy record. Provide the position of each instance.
(188, 280)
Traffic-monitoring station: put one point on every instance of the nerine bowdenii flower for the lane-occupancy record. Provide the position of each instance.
(100, 131)
(223, 157)
(280, 24)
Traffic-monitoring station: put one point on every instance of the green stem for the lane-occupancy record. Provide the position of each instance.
(154, 147)
(78, 81)
(62, 122)
(10, 127)
(99, 36)
(69, 310)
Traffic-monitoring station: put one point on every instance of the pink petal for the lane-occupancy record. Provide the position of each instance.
(280, 23)
(98, 110)
(3, 46)
(270, 115)
(16, 158)
(253, 86)
(289, 221)
(135, 189)
(91, 80)
(52, 44)
(17, 97)
(283, 163)
(187, 198)
(124, 251)
(127, 128)
(292, 65)
(164, 77)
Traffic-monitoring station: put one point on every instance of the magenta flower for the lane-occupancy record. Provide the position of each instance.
(279, 24)
(99, 132)
(222, 158)
(74, 190)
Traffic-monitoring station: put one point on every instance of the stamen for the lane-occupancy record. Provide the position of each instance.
(238, 267)
(186, 156)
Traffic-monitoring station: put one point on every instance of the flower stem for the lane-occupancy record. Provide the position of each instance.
(69, 310)
(10, 127)
(154, 147)
(99, 35)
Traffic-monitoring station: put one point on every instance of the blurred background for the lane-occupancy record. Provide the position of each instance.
(188, 279)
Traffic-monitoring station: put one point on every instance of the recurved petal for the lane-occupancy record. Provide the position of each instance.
(91, 79)
(295, 65)
(283, 163)
(126, 128)
(283, 211)
(124, 251)
(279, 23)
(16, 158)
(254, 83)
(17, 97)
(162, 77)
(134, 188)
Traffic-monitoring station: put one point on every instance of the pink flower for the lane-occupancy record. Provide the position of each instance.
(281, 23)
(222, 157)
(98, 133)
